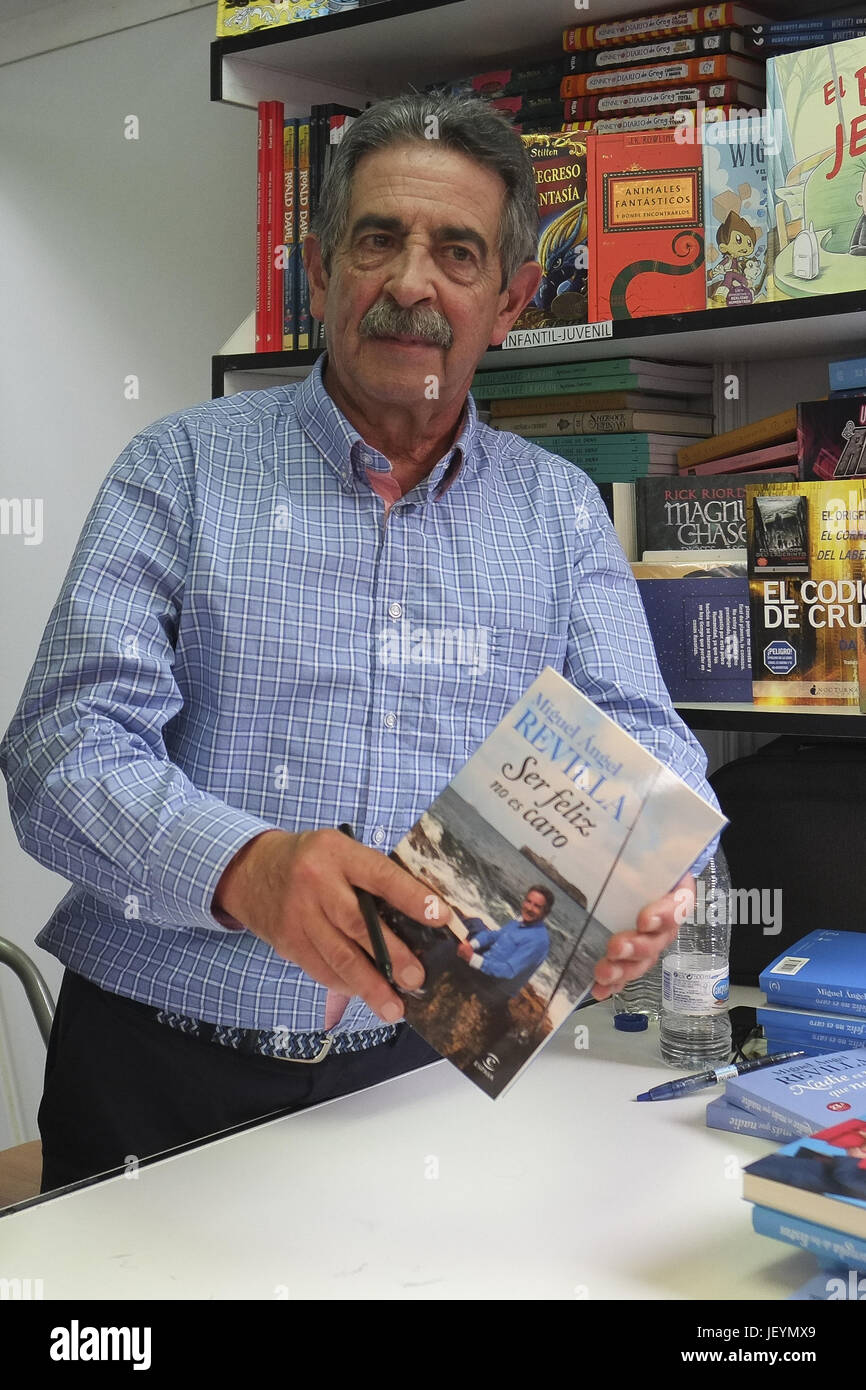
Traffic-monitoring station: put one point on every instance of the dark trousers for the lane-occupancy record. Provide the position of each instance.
(120, 1087)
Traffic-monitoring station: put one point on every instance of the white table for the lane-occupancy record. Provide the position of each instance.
(423, 1188)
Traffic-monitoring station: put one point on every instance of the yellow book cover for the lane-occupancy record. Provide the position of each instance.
(773, 429)
(239, 17)
(806, 545)
(302, 321)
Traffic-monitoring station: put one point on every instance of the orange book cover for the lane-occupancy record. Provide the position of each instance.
(645, 193)
(658, 26)
(675, 73)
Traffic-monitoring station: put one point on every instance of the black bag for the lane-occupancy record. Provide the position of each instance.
(797, 812)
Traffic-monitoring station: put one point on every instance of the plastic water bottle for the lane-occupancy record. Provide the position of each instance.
(643, 996)
(695, 1030)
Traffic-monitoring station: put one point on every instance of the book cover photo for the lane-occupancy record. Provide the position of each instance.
(824, 970)
(554, 835)
(816, 98)
(806, 545)
(831, 438)
(560, 175)
(820, 1179)
(738, 257)
(808, 1093)
(646, 226)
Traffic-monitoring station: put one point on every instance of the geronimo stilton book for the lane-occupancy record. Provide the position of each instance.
(646, 212)
(555, 834)
(816, 98)
(559, 162)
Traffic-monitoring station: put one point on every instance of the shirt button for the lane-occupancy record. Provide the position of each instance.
(396, 610)
(390, 720)
(379, 835)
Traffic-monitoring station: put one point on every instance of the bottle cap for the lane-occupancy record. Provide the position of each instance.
(630, 1023)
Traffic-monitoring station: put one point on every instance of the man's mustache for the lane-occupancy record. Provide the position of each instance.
(386, 320)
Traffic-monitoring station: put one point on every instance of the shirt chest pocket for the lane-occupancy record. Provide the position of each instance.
(514, 658)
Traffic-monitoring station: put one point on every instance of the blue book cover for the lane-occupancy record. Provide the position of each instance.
(848, 374)
(833, 1248)
(825, 970)
(722, 1114)
(808, 1093)
(819, 1178)
(840, 1029)
(778, 1042)
(700, 628)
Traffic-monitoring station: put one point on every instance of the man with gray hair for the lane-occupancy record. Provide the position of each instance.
(209, 701)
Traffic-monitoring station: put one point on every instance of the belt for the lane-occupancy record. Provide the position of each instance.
(278, 1043)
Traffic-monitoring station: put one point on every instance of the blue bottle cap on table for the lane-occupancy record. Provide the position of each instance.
(631, 1023)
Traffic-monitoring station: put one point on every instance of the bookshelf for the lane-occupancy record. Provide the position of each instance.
(363, 55)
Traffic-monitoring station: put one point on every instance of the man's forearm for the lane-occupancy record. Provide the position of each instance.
(230, 897)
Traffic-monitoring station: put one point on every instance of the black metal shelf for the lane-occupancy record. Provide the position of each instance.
(834, 323)
(752, 719)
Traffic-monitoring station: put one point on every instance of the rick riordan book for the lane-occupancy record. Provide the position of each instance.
(554, 835)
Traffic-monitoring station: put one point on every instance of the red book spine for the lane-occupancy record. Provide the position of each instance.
(261, 228)
(276, 201)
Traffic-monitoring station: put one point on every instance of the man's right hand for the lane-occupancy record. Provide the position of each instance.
(296, 892)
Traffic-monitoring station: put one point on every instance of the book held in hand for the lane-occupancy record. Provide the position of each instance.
(554, 835)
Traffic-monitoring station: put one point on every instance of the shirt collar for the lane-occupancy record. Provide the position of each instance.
(349, 455)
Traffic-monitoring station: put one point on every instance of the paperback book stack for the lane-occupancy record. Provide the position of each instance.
(820, 440)
(816, 994)
(617, 419)
(811, 1193)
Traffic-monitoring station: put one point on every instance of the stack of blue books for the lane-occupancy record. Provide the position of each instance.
(811, 1193)
(816, 994)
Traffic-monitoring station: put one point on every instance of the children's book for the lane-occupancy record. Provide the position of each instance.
(738, 259)
(646, 226)
(555, 834)
(820, 1179)
(816, 99)
(560, 176)
(808, 1093)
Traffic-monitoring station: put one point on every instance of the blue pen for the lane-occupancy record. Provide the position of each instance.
(687, 1085)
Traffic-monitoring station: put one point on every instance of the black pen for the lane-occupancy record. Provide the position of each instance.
(371, 920)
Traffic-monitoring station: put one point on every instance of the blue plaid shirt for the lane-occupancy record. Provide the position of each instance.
(245, 640)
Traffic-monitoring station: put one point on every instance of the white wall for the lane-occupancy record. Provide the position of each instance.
(118, 257)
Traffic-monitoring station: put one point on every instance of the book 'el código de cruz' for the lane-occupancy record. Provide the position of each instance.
(554, 835)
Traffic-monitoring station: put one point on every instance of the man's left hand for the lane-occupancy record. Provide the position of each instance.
(631, 954)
